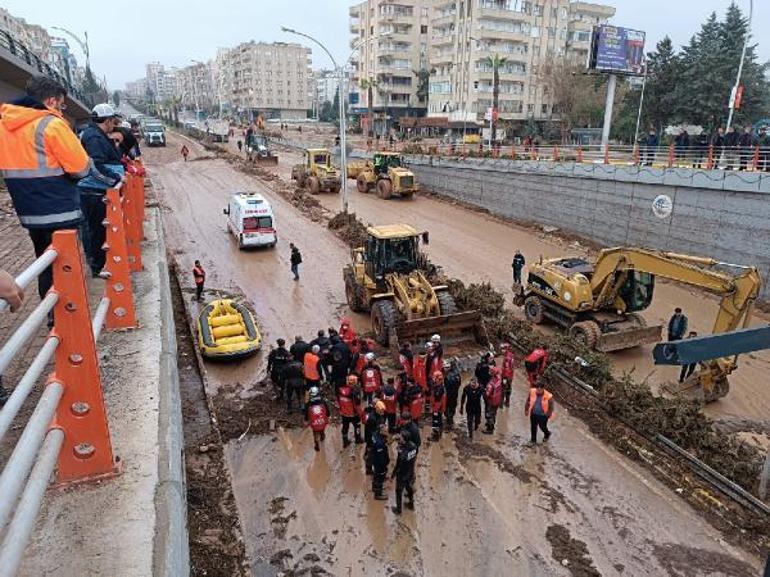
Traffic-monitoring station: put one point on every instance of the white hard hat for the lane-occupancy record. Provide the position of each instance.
(125, 124)
(314, 392)
(428, 345)
(369, 356)
(315, 348)
(103, 111)
(436, 338)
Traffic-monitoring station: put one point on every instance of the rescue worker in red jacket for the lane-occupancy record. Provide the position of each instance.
(539, 408)
(389, 396)
(403, 386)
(493, 398)
(406, 359)
(346, 333)
(371, 378)
(349, 402)
(535, 364)
(416, 402)
(419, 371)
(438, 404)
(317, 414)
(359, 358)
(506, 372)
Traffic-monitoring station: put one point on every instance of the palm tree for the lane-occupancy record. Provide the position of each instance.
(369, 84)
(495, 62)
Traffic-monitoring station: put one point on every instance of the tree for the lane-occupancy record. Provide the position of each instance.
(423, 83)
(495, 62)
(369, 84)
(116, 98)
(92, 89)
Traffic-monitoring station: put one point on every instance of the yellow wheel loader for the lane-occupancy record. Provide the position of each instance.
(388, 278)
(385, 174)
(599, 304)
(317, 173)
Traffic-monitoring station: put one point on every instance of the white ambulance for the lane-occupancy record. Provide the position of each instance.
(250, 219)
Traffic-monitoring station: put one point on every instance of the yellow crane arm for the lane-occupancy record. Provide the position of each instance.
(738, 291)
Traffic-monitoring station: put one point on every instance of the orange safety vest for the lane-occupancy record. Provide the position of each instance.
(546, 401)
(311, 367)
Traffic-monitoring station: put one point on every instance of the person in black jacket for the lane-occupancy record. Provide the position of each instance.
(294, 381)
(473, 392)
(380, 462)
(277, 360)
(731, 148)
(518, 265)
(413, 429)
(747, 143)
(403, 472)
(371, 424)
(296, 260)
(481, 372)
(298, 349)
(452, 383)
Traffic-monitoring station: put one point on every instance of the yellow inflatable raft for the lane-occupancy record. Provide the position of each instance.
(227, 330)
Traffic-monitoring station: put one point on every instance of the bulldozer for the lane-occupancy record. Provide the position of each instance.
(599, 303)
(388, 278)
(386, 174)
(317, 173)
(258, 150)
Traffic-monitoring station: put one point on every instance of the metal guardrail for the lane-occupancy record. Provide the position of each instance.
(20, 51)
(68, 430)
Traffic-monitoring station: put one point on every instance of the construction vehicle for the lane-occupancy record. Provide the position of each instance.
(599, 304)
(386, 174)
(317, 173)
(258, 150)
(388, 278)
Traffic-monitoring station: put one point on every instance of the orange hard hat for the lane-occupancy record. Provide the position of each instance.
(379, 406)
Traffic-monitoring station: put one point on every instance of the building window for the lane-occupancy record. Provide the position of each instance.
(530, 108)
(424, 29)
(544, 109)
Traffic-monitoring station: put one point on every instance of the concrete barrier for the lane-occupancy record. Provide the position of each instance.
(722, 214)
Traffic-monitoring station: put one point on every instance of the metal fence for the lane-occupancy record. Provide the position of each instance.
(22, 52)
(68, 430)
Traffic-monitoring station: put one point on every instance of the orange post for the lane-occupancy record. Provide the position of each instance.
(513, 152)
(755, 158)
(670, 155)
(637, 157)
(131, 218)
(580, 154)
(606, 154)
(121, 313)
(710, 160)
(87, 450)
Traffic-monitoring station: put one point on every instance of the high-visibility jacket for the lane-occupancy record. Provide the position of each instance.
(416, 406)
(536, 360)
(311, 363)
(419, 372)
(349, 402)
(493, 394)
(438, 399)
(347, 334)
(546, 402)
(318, 415)
(371, 379)
(40, 158)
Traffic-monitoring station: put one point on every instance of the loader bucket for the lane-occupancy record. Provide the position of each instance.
(627, 338)
(267, 161)
(453, 328)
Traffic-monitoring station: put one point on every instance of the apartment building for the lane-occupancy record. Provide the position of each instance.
(391, 64)
(326, 83)
(274, 79)
(466, 33)
(195, 86)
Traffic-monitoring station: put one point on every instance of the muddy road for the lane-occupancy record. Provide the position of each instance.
(492, 507)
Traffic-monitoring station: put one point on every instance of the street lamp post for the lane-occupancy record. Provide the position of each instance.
(343, 96)
(82, 43)
(735, 88)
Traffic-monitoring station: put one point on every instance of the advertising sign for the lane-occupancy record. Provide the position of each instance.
(618, 50)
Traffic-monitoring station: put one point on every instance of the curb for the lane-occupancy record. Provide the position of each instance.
(171, 552)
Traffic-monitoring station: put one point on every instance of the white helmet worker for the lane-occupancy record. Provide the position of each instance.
(435, 339)
(314, 392)
(369, 356)
(315, 349)
(104, 110)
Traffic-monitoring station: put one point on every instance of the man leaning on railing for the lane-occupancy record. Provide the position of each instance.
(40, 160)
(14, 296)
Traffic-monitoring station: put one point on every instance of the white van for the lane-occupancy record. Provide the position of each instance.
(250, 219)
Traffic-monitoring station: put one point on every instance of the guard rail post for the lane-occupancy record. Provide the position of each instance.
(580, 154)
(671, 155)
(87, 450)
(755, 159)
(606, 154)
(131, 219)
(513, 152)
(121, 314)
(637, 156)
(710, 160)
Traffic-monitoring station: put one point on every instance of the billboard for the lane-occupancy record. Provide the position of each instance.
(618, 50)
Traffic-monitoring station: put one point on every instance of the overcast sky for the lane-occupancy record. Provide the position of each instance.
(127, 35)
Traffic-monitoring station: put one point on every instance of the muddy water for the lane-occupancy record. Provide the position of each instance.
(482, 509)
(476, 247)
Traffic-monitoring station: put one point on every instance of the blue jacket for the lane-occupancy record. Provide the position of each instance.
(106, 170)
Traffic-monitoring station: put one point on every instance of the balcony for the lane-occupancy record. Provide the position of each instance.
(517, 35)
(505, 8)
(443, 18)
(354, 12)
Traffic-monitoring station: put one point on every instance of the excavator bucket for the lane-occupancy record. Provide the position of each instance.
(628, 337)
(453, 328)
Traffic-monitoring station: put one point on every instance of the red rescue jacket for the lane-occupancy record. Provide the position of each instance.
(493, 394)
(318, 417)
(507, 368)
(349, 406)
(419, 374)
(438, 399)
(389, 396)
(371, 379)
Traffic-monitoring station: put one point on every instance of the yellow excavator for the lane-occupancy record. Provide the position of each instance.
(599, 304)
(388, 278)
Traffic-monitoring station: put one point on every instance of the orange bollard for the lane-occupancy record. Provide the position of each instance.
(710, 160)
(131, 218)
(121, 313)
(87, 450)
(755, 159)
(513, 152)
(637, 157)
(580, 154)
(606, 154)
(670, 155)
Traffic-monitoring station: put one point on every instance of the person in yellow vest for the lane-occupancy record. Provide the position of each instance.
(539, 408)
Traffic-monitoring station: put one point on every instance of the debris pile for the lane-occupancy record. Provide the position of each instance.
(347, 226)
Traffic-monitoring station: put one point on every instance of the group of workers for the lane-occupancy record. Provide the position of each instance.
(426, 386)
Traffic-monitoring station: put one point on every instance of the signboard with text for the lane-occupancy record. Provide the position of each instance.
(617, 50)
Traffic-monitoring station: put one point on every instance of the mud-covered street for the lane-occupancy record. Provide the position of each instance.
(489, 507)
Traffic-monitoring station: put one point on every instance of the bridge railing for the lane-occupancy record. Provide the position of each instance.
(68, 431)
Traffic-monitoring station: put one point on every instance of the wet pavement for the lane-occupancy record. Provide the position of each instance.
(483, 508)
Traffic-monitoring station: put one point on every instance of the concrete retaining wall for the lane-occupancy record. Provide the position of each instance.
(724, 215)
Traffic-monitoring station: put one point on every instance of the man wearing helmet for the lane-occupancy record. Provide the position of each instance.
(380, 461)
(493, 398)
(438, 404)
(389, 396)
(371, 378)
(373, 416)
(507, 372)
(349, 402)
(317, 415)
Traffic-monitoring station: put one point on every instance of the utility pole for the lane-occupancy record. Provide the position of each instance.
(735, 88)
(609, 104)
(641, 103)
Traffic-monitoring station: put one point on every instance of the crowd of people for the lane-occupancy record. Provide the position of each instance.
(425, 388)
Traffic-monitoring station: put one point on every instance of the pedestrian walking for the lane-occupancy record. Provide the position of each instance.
(535, 364)
(296, 260)
(518, 265)
(437, 404)
(410, 426)
(317, 414)
(539, 408)
(731, 148)
(677, 325)
(482, 370)
(298, 349)
(349, 403)
(240, 145)
(380, 462)
(506, 372)
(371, 421)
(452, 383)
(199, 276)
(277, 360)
(403, 472)
(107, 174)
(471, 401)
(688, 369)
(313, 368)
(40, 162)
(493, 398)
(294, 381)
(185, 152)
